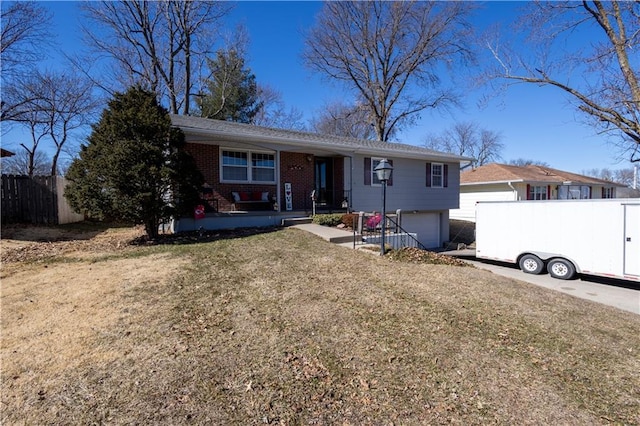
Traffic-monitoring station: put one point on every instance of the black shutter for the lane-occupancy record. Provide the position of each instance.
(429, 175)
(367, 170)
(390, 181)
(445, 175)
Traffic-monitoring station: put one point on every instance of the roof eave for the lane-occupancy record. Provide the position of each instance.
(495, 182)
(343, 148)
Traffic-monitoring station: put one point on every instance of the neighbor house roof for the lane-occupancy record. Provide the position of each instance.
(204, 129)
(499, 173)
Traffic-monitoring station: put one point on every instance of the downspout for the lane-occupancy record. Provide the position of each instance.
(515, 191)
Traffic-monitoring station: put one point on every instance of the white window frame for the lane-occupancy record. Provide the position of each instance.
(609, 192)
(538, 190)
(249, 166)
(434, 175)
(574, 192)
(374, 176)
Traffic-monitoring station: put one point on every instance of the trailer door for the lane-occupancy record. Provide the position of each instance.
(632, 239)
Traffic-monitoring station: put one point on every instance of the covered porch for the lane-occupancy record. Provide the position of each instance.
(241, 219)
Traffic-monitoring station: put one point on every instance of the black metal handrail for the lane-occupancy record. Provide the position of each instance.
(402, 230)
(369, 228)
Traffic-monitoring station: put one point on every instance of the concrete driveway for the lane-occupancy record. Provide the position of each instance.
(621, 294)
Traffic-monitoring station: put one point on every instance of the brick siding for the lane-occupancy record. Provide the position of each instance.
(295, 168)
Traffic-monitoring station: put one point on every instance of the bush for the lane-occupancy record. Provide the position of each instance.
(350, 220)
(327, 219)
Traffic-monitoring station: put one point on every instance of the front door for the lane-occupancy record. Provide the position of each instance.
(324, 181)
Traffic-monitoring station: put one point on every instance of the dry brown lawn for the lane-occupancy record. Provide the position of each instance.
(284, 328)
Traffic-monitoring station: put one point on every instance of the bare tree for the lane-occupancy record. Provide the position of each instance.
(159, 45)
(24, 39)
(468, 139)
(32, 122)
(52, 106)
(344, 120)
(522, 162)
(274, 113)
(25, 31)
(601, 77)
(24, 163)
(623, 176)
(389, 54)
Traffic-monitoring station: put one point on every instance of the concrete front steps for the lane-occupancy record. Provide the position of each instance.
(292, 221)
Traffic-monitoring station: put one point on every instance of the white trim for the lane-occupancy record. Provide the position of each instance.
(441, 175)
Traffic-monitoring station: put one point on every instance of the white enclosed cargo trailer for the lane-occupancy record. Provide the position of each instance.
(564, 237)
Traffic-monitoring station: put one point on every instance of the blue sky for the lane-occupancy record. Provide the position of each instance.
(536, 123)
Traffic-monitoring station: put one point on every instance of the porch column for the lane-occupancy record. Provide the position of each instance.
(278, 189)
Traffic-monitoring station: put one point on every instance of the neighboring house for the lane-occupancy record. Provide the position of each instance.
(6, 153)
(502, 182)
(257, 176)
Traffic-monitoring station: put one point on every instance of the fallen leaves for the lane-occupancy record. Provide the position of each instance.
(416, 255)
(28, 249)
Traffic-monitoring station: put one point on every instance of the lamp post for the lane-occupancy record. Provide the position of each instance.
(383, 172)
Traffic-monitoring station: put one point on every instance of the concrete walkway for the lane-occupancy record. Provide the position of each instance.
(327, 233)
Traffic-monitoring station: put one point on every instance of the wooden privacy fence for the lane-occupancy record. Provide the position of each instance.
(36, 200)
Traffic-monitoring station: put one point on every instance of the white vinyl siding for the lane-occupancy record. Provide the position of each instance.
(406, 191)
(468, 200)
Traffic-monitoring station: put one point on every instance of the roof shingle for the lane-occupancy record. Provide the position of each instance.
(206, 127)
(494, 172)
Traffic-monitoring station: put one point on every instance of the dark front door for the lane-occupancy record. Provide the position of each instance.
(324, 181)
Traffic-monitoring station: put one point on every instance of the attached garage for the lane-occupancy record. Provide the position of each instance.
(430, 226)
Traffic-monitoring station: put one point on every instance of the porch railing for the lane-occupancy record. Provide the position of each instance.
(329, 201)
(369, 231)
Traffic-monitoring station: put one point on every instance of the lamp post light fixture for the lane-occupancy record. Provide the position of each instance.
(383, 172)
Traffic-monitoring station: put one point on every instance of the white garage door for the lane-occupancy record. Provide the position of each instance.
(426, 225)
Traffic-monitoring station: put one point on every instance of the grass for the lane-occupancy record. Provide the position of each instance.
(284, 328)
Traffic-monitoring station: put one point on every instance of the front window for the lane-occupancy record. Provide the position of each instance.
(236, 167)
(537, 192)
(608, 193)
(574, 192)
(436, 175)
(263, 167)
(374, 175)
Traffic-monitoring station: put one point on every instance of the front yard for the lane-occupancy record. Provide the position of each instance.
(283, 328)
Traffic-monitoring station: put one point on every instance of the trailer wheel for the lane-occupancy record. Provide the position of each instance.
(561, 269)
(531, 264)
